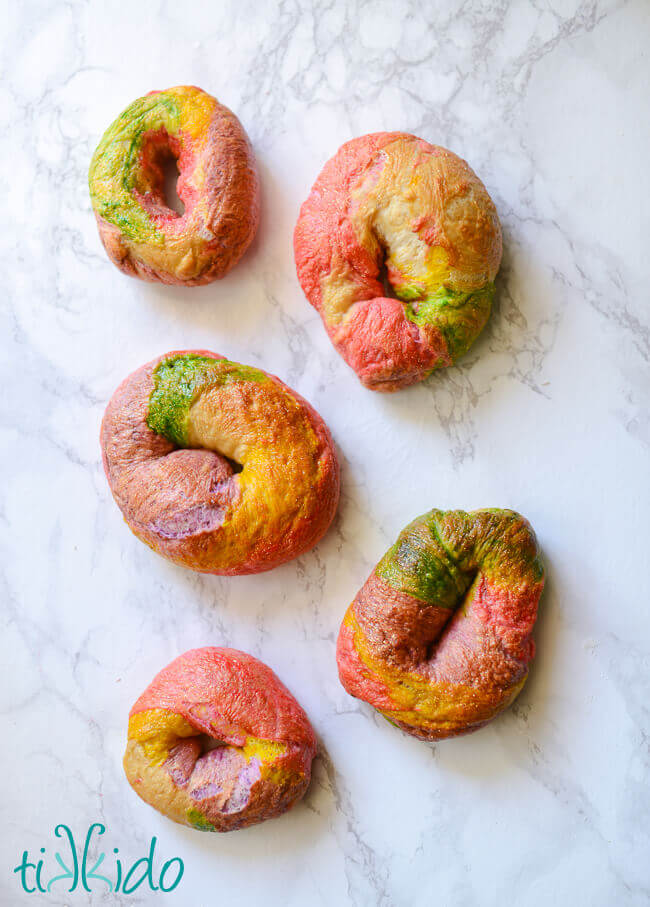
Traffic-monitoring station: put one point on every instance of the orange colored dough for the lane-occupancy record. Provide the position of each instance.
(173, 437)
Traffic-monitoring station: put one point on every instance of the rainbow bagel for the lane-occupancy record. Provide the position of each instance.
(218, 743)
(218, 185)
(439, 638)
(392, 199)
(170, 436)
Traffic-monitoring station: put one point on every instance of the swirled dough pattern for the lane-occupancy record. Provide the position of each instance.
(218, 185)
(218, 743)
(439, 637)
(390, 200)
(173, 437)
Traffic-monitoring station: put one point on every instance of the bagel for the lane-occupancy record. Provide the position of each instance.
(218, 743)
(218, 185)
(390, 200)
(438, 640)
(175, 433)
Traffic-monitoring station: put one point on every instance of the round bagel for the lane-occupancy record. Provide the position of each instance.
(218, 743)
(174, 434)
(218, 185)
(439, 638)
(391, 200)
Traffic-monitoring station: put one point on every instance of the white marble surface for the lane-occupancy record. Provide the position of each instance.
(548, 414)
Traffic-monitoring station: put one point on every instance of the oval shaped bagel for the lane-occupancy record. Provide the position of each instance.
(218, 185)
(218, 743)
(174, 434)
(390, 200)
(439, 638)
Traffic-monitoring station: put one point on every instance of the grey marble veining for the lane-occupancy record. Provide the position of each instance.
(548, 414)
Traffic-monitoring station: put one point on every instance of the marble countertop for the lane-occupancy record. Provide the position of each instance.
(548, 414)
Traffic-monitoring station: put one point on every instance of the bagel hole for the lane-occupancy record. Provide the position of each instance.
(209, 743)
(234, 465)
(171, 173)
(389, 292)
(384, 280)
(457, 613)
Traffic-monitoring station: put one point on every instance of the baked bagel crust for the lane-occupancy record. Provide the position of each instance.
(174, 434)
(218, 743)
(218, 185)
(391, 200)
(439, 637)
